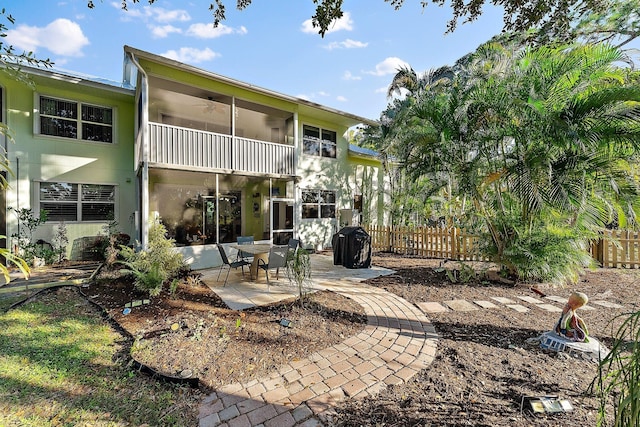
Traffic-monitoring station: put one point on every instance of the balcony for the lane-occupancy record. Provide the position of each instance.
(177, 146)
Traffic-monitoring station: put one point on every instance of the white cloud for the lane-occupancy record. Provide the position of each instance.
(382, 89)
(163, 31)
(176, 15)
(344, 23)
(346, 44)
(61, 37)
(314, 95)
(348, 76)
(208, 31)
(390, 65)
(191, 55)
(153, 13)
(341, 98)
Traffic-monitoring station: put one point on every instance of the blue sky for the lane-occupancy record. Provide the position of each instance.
(270, 44)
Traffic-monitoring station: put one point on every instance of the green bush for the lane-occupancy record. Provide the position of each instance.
(299, 271)
(149, 280)
(27, 225)
(548, 255)
(157, 264)
(544, 250)
(618, 376)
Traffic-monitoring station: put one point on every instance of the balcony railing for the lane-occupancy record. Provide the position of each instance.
(190, 148)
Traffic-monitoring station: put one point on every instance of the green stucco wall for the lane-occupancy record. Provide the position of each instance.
(34, 158)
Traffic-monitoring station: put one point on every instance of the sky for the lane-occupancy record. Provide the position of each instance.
(270, 44)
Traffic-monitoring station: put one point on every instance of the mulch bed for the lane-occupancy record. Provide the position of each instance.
(483, 369)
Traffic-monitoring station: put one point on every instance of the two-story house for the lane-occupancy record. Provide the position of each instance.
(212, 157)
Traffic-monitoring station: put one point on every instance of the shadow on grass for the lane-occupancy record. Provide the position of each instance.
(62, 364)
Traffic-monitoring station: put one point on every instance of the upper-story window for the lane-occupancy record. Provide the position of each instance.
(65, 201)
(319, 142)
(75, 120)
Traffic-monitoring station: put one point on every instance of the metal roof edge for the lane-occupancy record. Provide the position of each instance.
(364, 152)
(78, 78)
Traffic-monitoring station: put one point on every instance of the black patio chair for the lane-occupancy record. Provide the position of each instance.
(225, 262)
(293, 244)
(245, 240)
(277, 259)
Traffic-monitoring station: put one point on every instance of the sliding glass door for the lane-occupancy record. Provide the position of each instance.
(282, 220)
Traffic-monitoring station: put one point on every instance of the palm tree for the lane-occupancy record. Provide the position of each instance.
(539, 141)
(407, 81)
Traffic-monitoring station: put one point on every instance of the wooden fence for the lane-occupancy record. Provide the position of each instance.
(426, 242)
(616, 249)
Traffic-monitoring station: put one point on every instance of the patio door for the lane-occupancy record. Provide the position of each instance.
(209, 219)
(282, 220)
(223, 226)
(229, 216)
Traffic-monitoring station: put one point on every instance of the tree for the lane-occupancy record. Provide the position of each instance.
(407, 80)
(617, 24)
(12, 61)
(536, 144)
(550, 15)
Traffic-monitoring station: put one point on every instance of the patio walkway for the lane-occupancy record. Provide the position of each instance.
(397, 342)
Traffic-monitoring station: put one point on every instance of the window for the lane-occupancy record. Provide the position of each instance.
(77, 202)
(319, 142)
(75, 120)
(318, 204)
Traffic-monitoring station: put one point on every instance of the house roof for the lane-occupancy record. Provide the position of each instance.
(304, 105)
(79, 78)
(361, 151)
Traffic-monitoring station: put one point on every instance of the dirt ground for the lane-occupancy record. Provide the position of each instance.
(483, 369)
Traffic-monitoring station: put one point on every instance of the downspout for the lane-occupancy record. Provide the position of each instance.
(270, 209)
(217, 209)
(144, 176)
(16, 246)
(297, 209)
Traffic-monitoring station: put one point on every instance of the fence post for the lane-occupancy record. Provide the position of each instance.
(455, 250)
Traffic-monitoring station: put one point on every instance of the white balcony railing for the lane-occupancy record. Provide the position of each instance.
(178, 146)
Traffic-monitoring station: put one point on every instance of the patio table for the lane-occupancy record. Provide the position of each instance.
(259, 251)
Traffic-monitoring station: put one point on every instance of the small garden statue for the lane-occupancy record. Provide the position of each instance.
(570, 335)
(570, 325)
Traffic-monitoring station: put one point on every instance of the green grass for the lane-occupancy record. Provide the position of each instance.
(7, 300)
(58, 367)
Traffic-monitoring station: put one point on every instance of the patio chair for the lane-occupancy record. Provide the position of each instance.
(277, 259)
(245, 240)
(293, 244)
(225, 262)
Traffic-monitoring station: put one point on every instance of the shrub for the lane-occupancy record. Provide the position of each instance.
(618, 376)
(27, 224)
(60, 242)
(299, 271)
(149, 280)
(548, 254)
(157, 264)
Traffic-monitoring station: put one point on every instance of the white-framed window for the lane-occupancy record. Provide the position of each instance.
(318, 204)
(319, 142)
(71, 202)
(74, 120)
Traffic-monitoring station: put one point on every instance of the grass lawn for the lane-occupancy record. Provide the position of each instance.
(61, 364)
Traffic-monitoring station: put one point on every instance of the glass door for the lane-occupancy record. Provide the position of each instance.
(230, 216)
(282, 220)
(209, 219)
